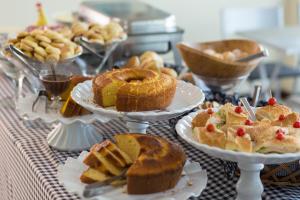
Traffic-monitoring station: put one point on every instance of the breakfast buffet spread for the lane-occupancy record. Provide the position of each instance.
(146, 163)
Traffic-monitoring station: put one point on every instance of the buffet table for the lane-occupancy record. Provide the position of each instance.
(29, 165)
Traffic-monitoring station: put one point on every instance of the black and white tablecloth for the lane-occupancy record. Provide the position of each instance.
(28, 165)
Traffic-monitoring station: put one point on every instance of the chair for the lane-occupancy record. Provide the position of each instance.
(234, 20)
(238, 19)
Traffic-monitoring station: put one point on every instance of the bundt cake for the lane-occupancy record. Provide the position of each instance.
(157, 163)
(134, 89)
(70, 108)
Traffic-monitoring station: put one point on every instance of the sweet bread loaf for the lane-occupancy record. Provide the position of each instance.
(134, 90)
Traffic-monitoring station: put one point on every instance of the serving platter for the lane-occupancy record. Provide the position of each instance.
(187, 97)
(249, 186)
(69, 134)
(191, 184)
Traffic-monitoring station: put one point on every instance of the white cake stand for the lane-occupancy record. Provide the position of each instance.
(186, 98)
(249, 186)
(70, 134)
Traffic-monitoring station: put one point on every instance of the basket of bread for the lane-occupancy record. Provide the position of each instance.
(220, 63)
(97, 33)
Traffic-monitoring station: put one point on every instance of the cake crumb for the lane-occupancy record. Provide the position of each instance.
(189, 183)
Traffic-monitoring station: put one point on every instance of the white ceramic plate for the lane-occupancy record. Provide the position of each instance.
(186, 98)
(24, 109)
(68, 174)
(184, 129)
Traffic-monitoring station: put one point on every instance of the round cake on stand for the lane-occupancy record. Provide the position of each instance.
(187, 97)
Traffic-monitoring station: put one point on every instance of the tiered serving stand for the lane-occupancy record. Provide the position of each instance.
(69, 134)
(249, 186)
(186, 98)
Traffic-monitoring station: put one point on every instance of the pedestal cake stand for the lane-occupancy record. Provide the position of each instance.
(249, 186)
(70, 134)
(186, 98)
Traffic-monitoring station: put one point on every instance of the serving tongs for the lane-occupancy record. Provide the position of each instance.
(82, 41)
(255, 98)
(107, 48)
(20, 56)
(99, 188)
(251, 57)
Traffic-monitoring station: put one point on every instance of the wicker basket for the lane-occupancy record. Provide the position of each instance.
(286, 174)
(206, 65)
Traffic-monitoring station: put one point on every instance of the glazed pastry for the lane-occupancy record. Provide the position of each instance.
(272, 112)
(235, 115)
(278, 140)
(276, 131)
(210, 135)
(200, 120)
(287, 120)
(238, 140)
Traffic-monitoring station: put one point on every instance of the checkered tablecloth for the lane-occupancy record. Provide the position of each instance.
(28, 165)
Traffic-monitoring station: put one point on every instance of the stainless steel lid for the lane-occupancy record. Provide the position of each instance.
(136, 16)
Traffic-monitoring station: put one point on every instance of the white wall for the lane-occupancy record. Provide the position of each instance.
(199, 18)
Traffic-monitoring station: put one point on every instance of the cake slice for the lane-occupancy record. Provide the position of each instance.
(157, 164)
(70, 108)
(92, 175)
(101, 156)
